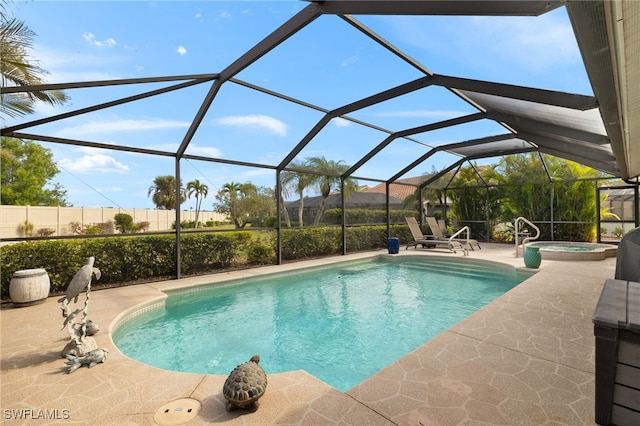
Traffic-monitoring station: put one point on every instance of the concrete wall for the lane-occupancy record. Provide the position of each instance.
(59, 218)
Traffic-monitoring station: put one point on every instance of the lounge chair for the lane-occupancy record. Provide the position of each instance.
(430, 241)
(439, 234)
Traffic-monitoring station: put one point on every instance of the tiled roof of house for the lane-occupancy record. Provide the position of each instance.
(397, 190)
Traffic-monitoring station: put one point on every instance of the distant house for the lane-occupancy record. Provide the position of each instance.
(403, 188)
(366, 197)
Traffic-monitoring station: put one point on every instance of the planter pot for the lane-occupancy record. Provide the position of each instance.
(29, 287)
(532, 257)
(393, 244)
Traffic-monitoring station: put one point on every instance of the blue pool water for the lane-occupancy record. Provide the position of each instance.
(341, 324)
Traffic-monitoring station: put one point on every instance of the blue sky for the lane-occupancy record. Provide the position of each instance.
(328, 64)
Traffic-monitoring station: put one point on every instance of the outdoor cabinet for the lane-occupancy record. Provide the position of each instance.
(616, 326)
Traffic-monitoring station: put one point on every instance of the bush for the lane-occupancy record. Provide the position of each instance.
(45, 232)
(261, 251)
(204, 252)
(26, 229)
(618, 231)
(144, 258)
(366, 216)
(124, 222)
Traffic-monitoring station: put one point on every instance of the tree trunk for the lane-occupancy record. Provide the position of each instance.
(320, 212)
(286, 213)
(300, 211)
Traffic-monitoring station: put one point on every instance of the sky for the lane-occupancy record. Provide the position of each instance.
(327, 64)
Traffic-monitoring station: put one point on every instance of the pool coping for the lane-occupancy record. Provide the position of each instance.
(525, 358)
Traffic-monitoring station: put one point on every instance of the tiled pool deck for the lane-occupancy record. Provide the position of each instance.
(527, 358)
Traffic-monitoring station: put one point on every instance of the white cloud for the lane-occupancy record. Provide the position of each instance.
(91, 39)
(66, 66)
(106, 127)
(261, 121)
(340, 122)
(540, 43)
(199, 17)
(350, 61)
(181, 50)
(208, 151)
(93, 163)
(110, 189)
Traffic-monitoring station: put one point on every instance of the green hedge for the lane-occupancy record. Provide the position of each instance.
(130, 259)
(364, 216)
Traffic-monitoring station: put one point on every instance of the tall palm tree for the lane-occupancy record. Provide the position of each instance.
(329, 179)
(163, 192)
(17, 69)
(233, 190)
(285, 182)
(298, 181)
(200, 191)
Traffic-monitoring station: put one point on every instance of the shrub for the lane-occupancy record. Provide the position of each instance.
(124, 222)
(92, 229)
(45, 232)
(261, 251)
(26, 228)
(143, 226)
(366, 216)
(618, 231)
(131, 259)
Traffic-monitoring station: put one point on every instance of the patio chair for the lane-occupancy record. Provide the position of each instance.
(439, 234)
(429, 241)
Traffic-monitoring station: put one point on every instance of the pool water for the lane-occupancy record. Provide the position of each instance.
(340, 324)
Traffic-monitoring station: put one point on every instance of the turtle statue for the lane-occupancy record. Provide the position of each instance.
(245, 385)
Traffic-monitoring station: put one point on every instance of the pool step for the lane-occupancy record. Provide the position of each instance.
(471, 271)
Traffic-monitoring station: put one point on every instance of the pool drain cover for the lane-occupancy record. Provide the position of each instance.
(177, 412)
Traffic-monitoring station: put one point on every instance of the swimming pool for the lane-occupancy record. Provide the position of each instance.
(340, 324)
(567, 250)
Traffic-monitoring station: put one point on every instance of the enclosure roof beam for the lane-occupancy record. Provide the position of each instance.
(282, 33)
(75, 142)
(386, 44)
(470, 158)
(472, 142)
(9, 130)
(420, 129)
(354, 106)
(103, 83)
(439, 7)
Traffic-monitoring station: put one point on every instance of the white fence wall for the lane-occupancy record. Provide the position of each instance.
(59, 218)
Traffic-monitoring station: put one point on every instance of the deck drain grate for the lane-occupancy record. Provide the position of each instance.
(177, 412)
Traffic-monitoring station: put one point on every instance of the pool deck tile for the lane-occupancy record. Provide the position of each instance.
(527, 358)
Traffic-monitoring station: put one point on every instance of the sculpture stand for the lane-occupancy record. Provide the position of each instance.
(82, 349)
(80, 333)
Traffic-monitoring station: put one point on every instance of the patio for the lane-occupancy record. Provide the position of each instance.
(527, 358)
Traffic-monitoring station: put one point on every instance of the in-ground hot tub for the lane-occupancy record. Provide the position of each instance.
(567, 250)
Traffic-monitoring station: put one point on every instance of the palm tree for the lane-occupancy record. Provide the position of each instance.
(164, 192)
(200, 190)
(284, 193)
(298, 181)
(329, 178)
(232, 190)
(18, 70)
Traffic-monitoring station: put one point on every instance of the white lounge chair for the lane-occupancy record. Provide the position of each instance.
(430, 241)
